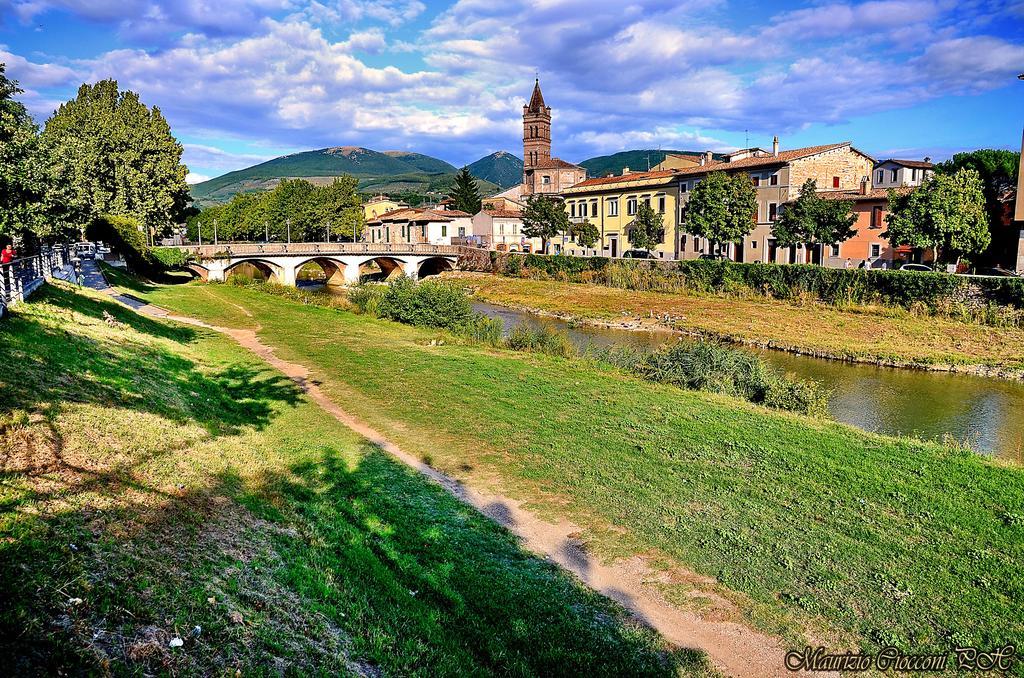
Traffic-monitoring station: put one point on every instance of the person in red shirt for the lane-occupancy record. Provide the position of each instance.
(8, 255)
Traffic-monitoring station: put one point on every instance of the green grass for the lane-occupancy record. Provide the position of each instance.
(808, 525)
(156, 481)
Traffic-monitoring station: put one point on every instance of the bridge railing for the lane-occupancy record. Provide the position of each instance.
(21, 277)
(223, 250)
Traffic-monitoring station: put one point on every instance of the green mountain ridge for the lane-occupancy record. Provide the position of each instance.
(501, 168)
(636, 160)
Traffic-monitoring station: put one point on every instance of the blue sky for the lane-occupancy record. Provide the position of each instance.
(242, 82)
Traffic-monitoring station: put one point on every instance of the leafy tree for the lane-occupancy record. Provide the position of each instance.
(122, 157)
(585, 234)
(544, 218)
(998, 170)
(812, 219)
(946, 214)
(35, 202)
(465, 193)
(338, 206)
(646, 230)
(721, 208)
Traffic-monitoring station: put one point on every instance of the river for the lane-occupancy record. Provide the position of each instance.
(987, 414)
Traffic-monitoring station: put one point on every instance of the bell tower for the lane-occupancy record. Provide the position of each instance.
(536, 129)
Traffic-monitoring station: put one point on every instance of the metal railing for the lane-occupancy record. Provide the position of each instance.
(221, 250)
(21, 277)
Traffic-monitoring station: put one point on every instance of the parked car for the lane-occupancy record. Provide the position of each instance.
(714, 257)
(637, 254)
(85, 250)
(997, 272)
(920, 268)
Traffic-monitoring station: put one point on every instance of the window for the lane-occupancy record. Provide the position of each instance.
(572, 209)
(423, 230)
(661, 204)
(895, 176)
(387, 233)
(684, 187)
(876, 216)
(753, 244)
(630, 206)
(756, 180)
(835, 250)
(913, 174)
(773, 211)
(613, 207)
(774, 180)
(835, 182)
(444, 230)
(501, 229)
(462, 231)
(682, 243)
(881, 176)
(876, 250)
(593, 208)
(646, 199)
(545, 179)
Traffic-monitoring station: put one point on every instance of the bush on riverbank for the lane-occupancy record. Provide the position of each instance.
(712, 367)
(442, 305)
(540, 340)
(990, 301)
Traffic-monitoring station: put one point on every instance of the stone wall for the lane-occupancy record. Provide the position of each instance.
(844, 163)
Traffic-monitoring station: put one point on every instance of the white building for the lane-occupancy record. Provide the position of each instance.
(502, 230)
(897, 173)
(415, 225)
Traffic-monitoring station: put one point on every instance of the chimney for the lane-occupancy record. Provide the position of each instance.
(709, 157)
(625, 171)
(927, 159)
(864, 186)
(775, 146)
(702, 161)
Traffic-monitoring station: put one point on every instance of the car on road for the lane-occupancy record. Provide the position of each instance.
(714, 257)
(637, 254)
(85, 250)
(920, 268)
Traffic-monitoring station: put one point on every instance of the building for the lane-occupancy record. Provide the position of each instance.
(868, 246)
(1018, 212)
(896, 173)
(610, 204)
(502, 230)
(777, 177)
(419, 226)
(380, 204)
(543, 173)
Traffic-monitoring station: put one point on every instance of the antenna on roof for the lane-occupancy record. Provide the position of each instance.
(746, 132)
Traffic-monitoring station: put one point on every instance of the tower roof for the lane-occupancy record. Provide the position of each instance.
(537, 100)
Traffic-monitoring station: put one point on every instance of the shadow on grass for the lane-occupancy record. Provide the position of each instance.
(49, 362)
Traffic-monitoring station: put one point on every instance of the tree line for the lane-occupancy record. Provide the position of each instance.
(295, 210)
(104, 153)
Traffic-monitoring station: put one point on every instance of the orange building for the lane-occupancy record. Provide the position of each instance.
(868, 247)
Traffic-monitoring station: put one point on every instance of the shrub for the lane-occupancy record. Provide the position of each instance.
(543, 339)
(170, 257)
(426, 304)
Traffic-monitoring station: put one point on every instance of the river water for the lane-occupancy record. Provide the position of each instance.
(986, 413)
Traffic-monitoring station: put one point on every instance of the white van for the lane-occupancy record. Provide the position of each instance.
(85, 250)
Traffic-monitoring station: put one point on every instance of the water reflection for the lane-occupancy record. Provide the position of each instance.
(986, 413)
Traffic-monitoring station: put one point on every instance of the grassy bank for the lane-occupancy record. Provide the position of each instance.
(157, 483)
(866, 333)
(804, 524)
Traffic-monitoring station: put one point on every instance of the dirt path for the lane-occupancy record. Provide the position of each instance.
(733, 648)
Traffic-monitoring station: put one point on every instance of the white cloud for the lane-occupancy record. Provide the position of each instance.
(193, 178)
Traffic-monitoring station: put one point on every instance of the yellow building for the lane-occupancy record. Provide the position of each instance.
(610, 204)
(380, 204)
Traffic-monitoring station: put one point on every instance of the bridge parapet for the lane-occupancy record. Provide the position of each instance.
(230, 250)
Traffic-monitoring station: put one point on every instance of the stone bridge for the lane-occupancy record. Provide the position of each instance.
(342, 263)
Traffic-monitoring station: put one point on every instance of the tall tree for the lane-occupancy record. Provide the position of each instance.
(465, 193)
(124, 159)
(721, 208)
(945, 214)
(647, 229)
(544, 218)
(812, 220)
(585, 234)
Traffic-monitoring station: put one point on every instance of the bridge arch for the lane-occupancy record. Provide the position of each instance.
(333, 270)
(256, 268)
(434, 266)
(199, 271)
(384, 268)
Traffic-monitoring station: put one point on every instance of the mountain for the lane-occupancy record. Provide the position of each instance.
(637, 161)
(501, 168)
(388, 172)
(424, 163)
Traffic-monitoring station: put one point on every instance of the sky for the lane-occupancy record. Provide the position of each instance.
(243, 82)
